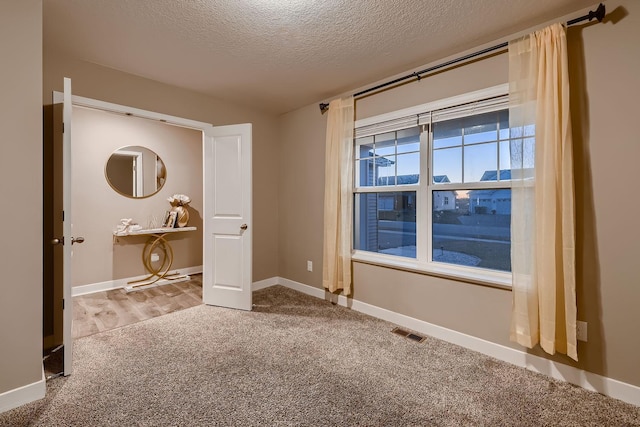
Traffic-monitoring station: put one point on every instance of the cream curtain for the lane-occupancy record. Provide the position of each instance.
(542, 217)
(338, 203)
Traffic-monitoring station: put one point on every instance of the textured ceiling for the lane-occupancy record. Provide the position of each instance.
(278, 55)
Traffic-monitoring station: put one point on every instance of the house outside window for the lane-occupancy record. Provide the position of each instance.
(432, 188)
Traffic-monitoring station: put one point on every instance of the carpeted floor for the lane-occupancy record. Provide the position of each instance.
(298, 360)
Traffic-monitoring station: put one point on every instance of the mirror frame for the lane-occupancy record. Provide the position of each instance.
(133, 152)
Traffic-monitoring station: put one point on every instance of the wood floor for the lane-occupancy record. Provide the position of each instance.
(107, 310)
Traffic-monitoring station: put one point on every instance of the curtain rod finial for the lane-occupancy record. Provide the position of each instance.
(599, 13)
(323, 107)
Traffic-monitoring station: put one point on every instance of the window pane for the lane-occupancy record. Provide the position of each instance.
(409, 133)
(473, 229)
(447, 165)
(386, 223)
(364, 147)
(385, 144)
(365, 173)
(385, 170)
(480, 161)
(522, 153)
(520, 131)
(408, 168)
(413, 147)
(447, 134)
(529, 153)
(408, 140)
(503, 118)
(479, 136)
(530, 130)
(505, 159)
(481, 128)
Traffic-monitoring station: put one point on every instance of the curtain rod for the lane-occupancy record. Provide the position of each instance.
(598, 14)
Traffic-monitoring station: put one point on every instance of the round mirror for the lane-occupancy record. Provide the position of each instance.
(135, 172)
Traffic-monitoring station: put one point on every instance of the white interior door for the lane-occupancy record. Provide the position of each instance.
(227, 223)
(67, 240)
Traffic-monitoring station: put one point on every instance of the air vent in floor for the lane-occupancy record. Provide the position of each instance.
(407, 334)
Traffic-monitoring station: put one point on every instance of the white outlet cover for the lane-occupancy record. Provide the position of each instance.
(581, 331)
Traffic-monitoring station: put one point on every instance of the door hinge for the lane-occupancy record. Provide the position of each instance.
(63, 303)
(62, 127)
(63, 215)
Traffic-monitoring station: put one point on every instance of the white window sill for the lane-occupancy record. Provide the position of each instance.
(478, 276)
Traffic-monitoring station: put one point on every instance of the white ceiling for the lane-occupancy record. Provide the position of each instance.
(278, 55)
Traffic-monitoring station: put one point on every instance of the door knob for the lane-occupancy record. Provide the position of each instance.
(57, 241)
(244, 227)
(77, 240)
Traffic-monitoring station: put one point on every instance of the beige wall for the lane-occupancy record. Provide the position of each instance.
(97, 208)
(93, 81)
(605, 70)
(21, 185)
(301, 192)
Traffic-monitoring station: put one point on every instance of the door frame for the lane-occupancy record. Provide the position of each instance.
(80, 101)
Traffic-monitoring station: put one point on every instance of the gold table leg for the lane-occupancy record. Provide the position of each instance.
(156, 242)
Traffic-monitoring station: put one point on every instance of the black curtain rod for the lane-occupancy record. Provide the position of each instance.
(597, 14)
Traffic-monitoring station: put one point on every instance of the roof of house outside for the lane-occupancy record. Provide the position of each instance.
(492, 192)
(440, 179)
(493, 175)
(505, 174)
(401, 179)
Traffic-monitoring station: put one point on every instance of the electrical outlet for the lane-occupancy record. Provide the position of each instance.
(155, 257)
(581, 331)
(309, 266)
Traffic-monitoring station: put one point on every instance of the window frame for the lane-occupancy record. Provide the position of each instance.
(423, 263)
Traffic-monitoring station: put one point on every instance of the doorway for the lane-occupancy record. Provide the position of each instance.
(227, 152)
(102, 263)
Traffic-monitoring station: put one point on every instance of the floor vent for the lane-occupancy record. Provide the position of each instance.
(407, 334)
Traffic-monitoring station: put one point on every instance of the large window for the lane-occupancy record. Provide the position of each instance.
(432, 189)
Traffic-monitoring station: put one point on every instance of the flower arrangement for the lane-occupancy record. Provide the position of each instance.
(179, 200)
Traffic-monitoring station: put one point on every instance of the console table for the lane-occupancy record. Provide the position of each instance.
(156, 242)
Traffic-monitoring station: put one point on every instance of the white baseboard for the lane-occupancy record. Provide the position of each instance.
(22, 395)
(121, 283)
(261, 284)
(301, 287)
(609, 387)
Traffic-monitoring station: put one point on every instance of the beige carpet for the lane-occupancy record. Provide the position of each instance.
(299, 361)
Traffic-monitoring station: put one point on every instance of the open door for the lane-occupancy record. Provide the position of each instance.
(67, 303)
(67, 240)
(227, 224)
